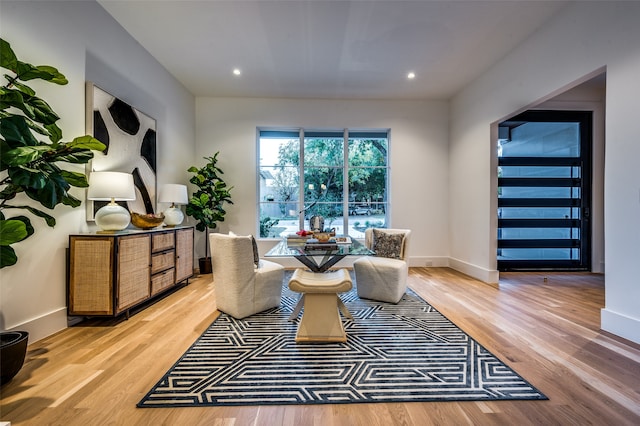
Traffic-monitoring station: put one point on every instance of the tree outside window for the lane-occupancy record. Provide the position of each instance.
(350, 193)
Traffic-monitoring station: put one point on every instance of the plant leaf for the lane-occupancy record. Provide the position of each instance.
(26, 178)
(87, 142)
(27, 224)
(52, 193)
(77, 156)
(22, 87)
(8, 58)
(70, 200)
(51, 221)
(79, 180)
(9, 192)
(7, 256)
(42, 112)
(16, 132)
(16, 99)
(28, 72)
(12, 231)
(24, 154)
(53, 131)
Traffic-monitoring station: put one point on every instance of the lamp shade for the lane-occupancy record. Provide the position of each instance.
(173, 193)
(107, 186)
(111, 186)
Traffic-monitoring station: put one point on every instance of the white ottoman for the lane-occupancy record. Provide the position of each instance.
(321, 316)
(380, 278)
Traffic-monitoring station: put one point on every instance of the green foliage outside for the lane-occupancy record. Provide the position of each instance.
(28, 166)
(266, 223)
(323, 174)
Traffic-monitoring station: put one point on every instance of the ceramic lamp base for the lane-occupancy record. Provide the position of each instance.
(173, 216)
(112, 217)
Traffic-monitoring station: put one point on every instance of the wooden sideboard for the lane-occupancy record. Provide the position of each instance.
(108, 274)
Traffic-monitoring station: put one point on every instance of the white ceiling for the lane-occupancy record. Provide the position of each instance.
(329, 48)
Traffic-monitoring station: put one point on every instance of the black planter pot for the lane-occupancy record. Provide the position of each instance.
(205, 265)
(13, 348)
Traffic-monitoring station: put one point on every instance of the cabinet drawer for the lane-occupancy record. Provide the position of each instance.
(161, 281)
(162, 241)
(162, 261)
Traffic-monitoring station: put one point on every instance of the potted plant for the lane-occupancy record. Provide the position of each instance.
(31, 167)
(206, 205)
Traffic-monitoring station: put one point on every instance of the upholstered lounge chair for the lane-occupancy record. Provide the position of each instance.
(383, 277)
(243, 287)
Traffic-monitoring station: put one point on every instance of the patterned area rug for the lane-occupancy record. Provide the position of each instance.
(394, 353)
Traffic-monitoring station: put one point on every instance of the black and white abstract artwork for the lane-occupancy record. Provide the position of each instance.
(130, 139)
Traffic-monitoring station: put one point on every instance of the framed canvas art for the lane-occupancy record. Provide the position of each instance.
(130, 139)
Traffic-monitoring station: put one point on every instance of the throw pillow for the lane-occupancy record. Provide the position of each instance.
(256, 255)
(387, 245)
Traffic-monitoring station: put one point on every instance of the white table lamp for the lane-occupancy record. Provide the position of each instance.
(111, 186)
(175, 194)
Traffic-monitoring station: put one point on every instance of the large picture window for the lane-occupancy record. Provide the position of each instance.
(340, 175)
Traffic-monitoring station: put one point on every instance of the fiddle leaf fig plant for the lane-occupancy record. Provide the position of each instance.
(28, 166)
(206, 205)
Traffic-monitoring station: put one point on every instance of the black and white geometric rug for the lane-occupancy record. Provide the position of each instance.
(394, 353)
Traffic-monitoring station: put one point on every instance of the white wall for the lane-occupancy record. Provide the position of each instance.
(576, 44)
(84, 43)
(590, 96)
(418, 157)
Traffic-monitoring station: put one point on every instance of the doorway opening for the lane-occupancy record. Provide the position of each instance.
(544, 191)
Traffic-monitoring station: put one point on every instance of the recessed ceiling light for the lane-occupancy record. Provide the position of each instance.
(236, 71)
(411, 75)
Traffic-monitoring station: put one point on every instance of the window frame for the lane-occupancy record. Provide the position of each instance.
(345, 134)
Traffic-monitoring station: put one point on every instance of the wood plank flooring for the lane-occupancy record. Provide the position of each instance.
(543, 325)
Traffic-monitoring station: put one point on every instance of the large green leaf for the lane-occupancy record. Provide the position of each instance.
(27, 178)
(53, 192)
(16, 99)
(4, 147)
(77, 156)
(12, 231)
(28, 72)
(9, 192)
(8, 58)
(87, 142)
(76, 179)
(16, 132)
(71, 201)
(22, 87)
(53, 131)
(24, 154)
(27, 224)
(42, 112)
(7, 256)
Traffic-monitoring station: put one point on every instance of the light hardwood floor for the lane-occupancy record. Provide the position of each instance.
(545, 326)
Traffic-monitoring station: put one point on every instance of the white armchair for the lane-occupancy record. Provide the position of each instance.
(383, 277)
(243, 288)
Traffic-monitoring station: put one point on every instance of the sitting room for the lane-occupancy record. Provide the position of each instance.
(335, 126)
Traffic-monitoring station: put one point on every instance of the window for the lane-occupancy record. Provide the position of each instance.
(340, 175)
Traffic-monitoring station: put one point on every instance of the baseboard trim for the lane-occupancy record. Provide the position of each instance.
(428, 261)
(620, 325)
(484, 275)
(45, 325)
(488, 276)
